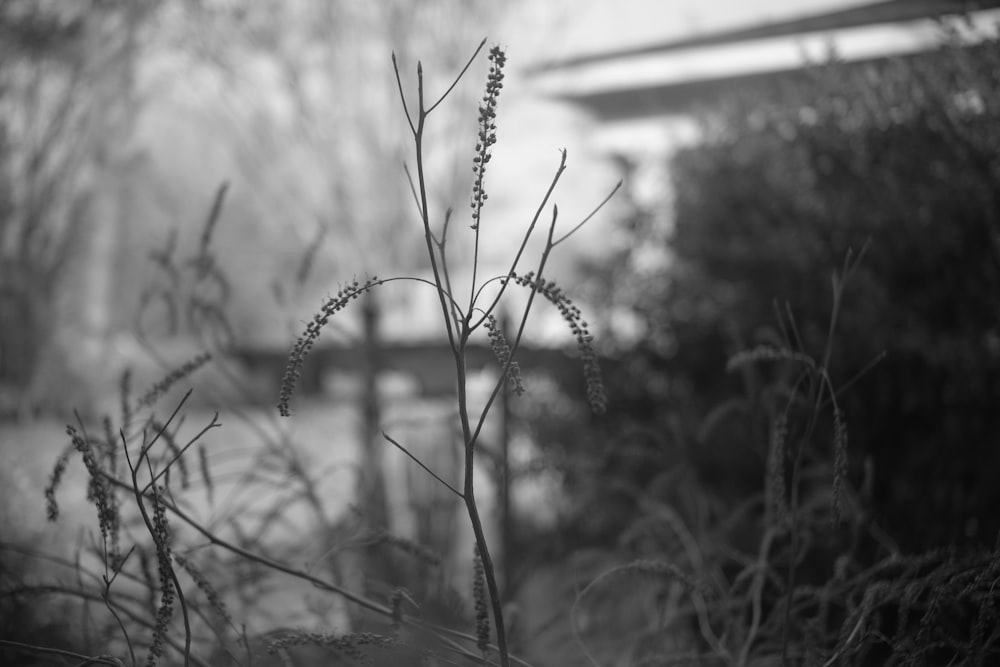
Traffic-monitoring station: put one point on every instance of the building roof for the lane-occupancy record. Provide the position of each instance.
(668, 76)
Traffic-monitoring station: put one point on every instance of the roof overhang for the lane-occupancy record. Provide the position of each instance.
(672, 77)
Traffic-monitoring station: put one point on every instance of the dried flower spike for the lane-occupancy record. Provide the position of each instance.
(306, 341)
(482, 607)
(162, 538)
(206, 587)
(584, 340)
(487, 130)
(175, 376)
(501, 350)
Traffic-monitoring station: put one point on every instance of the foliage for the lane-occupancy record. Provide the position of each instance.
(726, 460)
(901, 155)
(906, 155)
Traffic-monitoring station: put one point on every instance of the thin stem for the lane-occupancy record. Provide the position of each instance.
(421, 464)
(794, 328)
(475, 257)
(402, 96)
(161, 548)
(213, 424)
(440, 243)
(106, 595)
(515, 345)
(418, 137)
(524, 243)
(144, 448)
(469, 495)
(413, 188)
(471, 437)
(459, 77)
(591, 215)
(857, 376)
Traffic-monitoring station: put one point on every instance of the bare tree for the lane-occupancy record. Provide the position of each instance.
(65, 109)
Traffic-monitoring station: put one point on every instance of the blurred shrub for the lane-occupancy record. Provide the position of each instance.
(903, 153)
(900, 155)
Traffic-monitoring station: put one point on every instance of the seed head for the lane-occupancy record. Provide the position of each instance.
(487, 130)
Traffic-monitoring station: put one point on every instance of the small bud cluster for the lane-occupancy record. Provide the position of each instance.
(176, 375)
(205, 586)
(51, 505)
(479, 597)
(306, 341)
(487, 130)
(351, 645)
(161, 536)
(108, 449)
(98, 488)
(584, 340)
(498, 343)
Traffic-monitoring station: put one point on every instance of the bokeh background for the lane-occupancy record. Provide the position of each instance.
(186, 176)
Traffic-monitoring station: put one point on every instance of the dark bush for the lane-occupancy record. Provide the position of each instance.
(904, 154)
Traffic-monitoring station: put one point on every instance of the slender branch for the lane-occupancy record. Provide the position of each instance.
(516, 344)
(106, 595)
(215, 423)
(456, 313)
(144, 448)
(470, 437)
(460, 75)
(591, 215)
(161, 547)
(402, 96)
(418, 140)
(421, 464)
(413, 187)
(489, 569)
(524, 243)
(877, 359)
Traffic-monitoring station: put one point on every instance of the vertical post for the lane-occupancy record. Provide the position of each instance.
(505, 518)
(372, 485)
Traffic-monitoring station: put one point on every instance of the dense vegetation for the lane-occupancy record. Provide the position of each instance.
(897, 162)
